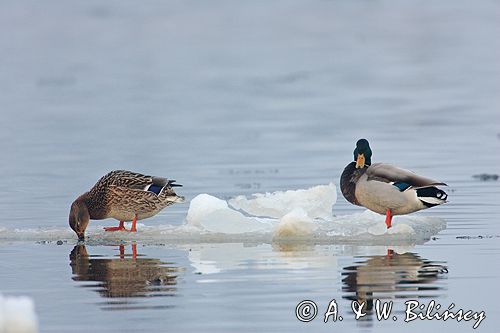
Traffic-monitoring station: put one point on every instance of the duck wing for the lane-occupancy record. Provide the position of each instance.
(136, 181)
(391, 174)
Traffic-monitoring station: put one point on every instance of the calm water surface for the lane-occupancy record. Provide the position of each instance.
(231, 98)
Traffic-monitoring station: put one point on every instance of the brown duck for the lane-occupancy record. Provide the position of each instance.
(125, 196)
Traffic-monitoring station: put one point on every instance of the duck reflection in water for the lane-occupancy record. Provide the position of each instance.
(392, 276)
(125, 276)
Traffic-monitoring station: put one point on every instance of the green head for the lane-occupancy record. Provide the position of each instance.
(362, 153)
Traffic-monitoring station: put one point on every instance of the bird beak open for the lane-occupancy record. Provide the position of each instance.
(360, 161)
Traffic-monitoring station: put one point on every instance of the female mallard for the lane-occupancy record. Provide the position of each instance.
(125, 196)
(386, 189)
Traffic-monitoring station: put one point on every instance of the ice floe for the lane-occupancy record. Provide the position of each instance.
(296, 224)
(269, 217)
(317, 201)
(212, 214)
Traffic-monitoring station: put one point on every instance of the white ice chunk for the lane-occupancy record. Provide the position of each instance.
(296, 224)
(203, 205)
(214, 215)
(401, 228)
(228, 221)
(317, 201)
(377, 229)
(371, 225)
(17, 315)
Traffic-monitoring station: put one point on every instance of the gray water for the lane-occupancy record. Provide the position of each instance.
(234, 98)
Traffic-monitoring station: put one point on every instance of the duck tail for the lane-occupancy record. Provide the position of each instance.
(431, 196)
(168, 194)
(172, 183)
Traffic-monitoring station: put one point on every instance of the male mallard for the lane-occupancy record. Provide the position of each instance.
(125, 196)
(386, 189)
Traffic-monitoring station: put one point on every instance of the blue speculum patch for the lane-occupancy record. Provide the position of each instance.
(401, 186)
(155, 189)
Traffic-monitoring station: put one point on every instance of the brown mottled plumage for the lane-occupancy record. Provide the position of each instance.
(125, 196)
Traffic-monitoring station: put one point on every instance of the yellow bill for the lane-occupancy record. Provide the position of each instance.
(360, 161)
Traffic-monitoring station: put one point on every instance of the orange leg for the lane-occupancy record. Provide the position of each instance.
(122, 251)
(388, 218)
(134, 250)
(121, 227)
(134, 222)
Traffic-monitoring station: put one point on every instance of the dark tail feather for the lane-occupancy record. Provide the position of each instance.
(431, 196)
(171, 183)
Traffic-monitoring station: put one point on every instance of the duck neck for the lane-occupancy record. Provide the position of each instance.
(84, 202)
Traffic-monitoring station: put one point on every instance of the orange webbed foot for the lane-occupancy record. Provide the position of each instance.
(121, 227)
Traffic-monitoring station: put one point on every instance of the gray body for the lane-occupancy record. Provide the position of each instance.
(372, 187)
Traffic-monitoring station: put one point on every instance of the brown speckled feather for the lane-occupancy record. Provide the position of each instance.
(122, 194)
(126, 179)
